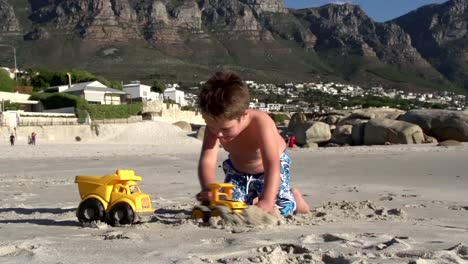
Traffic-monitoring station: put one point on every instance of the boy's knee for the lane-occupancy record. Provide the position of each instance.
(301, 205)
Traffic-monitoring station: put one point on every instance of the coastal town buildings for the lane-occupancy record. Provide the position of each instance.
(93, 92)
(140, 92)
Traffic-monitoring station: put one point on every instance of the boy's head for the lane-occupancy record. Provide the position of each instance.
(224, 96)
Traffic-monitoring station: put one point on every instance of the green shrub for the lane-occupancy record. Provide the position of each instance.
(6, 83)
(188, 108)
(114, 111)
(62, 100)
(279, 118)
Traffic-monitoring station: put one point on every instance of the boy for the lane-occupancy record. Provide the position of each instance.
(258, 164)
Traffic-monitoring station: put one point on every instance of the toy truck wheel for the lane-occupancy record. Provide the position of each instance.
(201, 212)
(220, 211)
(121, 214)
(90, 210)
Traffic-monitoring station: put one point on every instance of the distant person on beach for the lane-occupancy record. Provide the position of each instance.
(12, 139)
(33, 138)
(258, 163)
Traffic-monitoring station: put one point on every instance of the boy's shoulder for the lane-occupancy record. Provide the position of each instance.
(260, 116)
(256, 112)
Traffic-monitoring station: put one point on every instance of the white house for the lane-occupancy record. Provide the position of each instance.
(274, 107)
(18, 98)
(175, 95)
(138, 91)
(94, 92)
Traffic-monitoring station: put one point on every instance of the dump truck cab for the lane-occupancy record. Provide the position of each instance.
(221, 202)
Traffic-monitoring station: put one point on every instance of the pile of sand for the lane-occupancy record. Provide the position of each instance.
(252, 216)
(151, 132)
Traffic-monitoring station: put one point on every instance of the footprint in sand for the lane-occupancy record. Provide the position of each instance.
(16, 250)
(410, 195)
(277, 253)
(116, 235)
(218, 241)
(458, 208)
(352, 189)
(415, 206)
(387, 197)
(393, 245)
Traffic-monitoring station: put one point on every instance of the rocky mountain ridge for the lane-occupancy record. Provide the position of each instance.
(188, 39)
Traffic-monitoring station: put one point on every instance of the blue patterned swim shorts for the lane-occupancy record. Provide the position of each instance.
(247, 186)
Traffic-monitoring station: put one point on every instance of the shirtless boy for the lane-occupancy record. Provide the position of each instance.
(258, 163)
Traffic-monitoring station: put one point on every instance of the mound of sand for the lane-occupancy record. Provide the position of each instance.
(151, 132)
(252, 216)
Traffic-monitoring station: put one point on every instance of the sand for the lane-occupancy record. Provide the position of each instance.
(379, 204)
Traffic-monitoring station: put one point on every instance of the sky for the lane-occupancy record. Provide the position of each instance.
(379, 10)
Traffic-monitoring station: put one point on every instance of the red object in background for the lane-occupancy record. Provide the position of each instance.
(292, 141)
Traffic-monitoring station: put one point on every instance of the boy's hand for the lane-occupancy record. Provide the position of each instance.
(203, 196)
(266, 206)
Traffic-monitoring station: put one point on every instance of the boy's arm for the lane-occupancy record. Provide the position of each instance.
(207, 162)
(271, 164)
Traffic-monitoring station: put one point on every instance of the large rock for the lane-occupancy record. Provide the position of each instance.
(312, 132)
(359, 117)
(441, 124)
(184, 125)
(358, 132)
(343, 135)
(382, 131)
(8, 21)
(201, 132)
(296, 120)
(371, 113)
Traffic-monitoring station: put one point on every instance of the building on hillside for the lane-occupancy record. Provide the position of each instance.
(175, 95)
(274, 107)
(140, 92)
(17, 98)
(93, 92)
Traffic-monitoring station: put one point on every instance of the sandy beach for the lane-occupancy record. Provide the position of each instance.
(370, 204)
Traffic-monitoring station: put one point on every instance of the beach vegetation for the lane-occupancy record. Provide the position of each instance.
(279, 118)
(82, 108)
(189, 108)
(114, 111)
(6, 83)
(158, 86)
(43, 78)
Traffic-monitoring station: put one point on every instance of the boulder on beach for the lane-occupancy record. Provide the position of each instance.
(441, 124)
(382, 131)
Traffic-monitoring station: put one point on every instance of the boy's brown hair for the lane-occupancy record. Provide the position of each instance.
(224, 96)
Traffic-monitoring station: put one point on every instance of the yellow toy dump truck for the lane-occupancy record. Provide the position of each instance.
(114, 198)
(221, 203)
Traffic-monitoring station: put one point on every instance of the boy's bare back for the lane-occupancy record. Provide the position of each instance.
(245, 151)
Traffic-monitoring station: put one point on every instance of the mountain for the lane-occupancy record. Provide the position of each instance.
(439, 33)
(187, 40)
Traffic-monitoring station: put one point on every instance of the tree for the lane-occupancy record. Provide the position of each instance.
(45, 78)
(81, 76)
(158, 87)
(6, 83)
